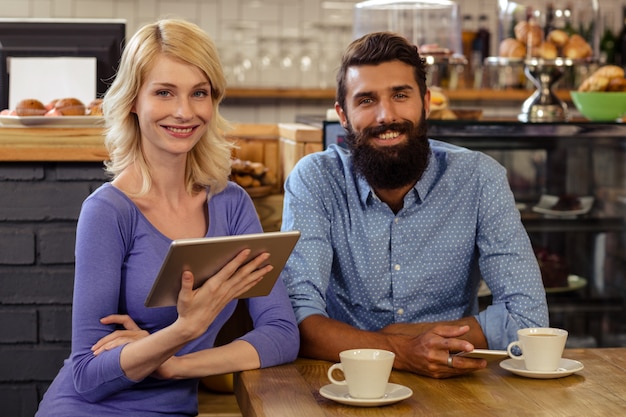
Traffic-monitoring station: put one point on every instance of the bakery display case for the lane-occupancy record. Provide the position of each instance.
(434, 26)
(554, 42)
(569, 182)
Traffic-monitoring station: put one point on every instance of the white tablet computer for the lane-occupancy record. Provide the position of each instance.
(205, 256)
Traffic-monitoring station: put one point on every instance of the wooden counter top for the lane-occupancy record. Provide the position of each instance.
(597, 390)
(52, 144)
(87, 144)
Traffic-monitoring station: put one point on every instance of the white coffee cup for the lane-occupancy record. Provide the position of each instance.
(542, 348)
(366, 371)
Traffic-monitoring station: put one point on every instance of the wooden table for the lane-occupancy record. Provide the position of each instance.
(598, 390)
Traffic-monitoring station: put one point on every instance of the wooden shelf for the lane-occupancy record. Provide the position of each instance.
(281, 93)
(329, 94)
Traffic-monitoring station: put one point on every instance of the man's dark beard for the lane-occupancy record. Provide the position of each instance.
(390, 167)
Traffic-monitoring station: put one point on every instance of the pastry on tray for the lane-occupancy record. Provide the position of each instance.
(554, 268)
(567, 202)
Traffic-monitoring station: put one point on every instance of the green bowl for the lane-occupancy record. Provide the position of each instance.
(600, 106)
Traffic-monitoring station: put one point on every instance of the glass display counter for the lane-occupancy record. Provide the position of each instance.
(575, 159)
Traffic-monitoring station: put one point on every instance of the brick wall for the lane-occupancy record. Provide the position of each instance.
(39, 207)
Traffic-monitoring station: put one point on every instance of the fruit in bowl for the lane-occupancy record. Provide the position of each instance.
(601, 97)
(600, 106)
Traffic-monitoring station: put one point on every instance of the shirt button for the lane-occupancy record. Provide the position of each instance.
(400, 311)
(396, 267)
(396, 220)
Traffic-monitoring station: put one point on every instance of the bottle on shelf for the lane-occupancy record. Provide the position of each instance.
(568, 15)
(482, 38)
(620, 42)
(511, 32)
(549, 24)
(607, 46)
(468, 33)
(481, 47)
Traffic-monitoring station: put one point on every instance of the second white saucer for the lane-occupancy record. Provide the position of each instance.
(566, 367)
(339, 393)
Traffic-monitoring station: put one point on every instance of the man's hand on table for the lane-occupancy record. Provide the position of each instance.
(428, 349)
(422, 348)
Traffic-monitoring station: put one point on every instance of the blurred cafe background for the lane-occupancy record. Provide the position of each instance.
(296, 44)
(512, 100)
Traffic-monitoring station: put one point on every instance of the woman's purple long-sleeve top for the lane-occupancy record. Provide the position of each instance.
(118, 255)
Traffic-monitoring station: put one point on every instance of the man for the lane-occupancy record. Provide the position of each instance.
(398, 230)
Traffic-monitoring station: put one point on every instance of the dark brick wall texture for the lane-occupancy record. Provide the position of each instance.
(39, 207)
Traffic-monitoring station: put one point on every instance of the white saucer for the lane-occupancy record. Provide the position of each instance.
(339, 393)
(566, 367)
(546, 202)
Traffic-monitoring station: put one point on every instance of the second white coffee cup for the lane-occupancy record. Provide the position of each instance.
(366, 371)
(542, 348)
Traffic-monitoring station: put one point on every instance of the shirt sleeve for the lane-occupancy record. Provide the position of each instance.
(100, 248)
(507, 263)
(308, 270)
(275, 332)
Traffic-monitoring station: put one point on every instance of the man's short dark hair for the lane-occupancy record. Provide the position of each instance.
(376, 48)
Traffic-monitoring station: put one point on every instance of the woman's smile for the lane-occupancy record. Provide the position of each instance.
(182, 132)
(173, 106)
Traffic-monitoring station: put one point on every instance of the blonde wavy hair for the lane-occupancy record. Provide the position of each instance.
(209, 162)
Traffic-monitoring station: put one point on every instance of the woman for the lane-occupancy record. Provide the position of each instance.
(170, 166)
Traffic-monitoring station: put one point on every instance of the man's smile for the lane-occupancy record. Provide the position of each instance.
(389, 135)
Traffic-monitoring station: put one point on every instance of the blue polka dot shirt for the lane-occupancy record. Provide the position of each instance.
(360, 263)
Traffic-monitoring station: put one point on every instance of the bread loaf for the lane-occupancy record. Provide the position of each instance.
(251, 174)
(546, 50)
(30, 107)
(70, 107)
(616, 84)
(512, 48)
(529, 41)
(594, 83)
(605, 78)
(610, 71)
(528, 33)
(577, 48)
(95, 107)
(558, 37)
